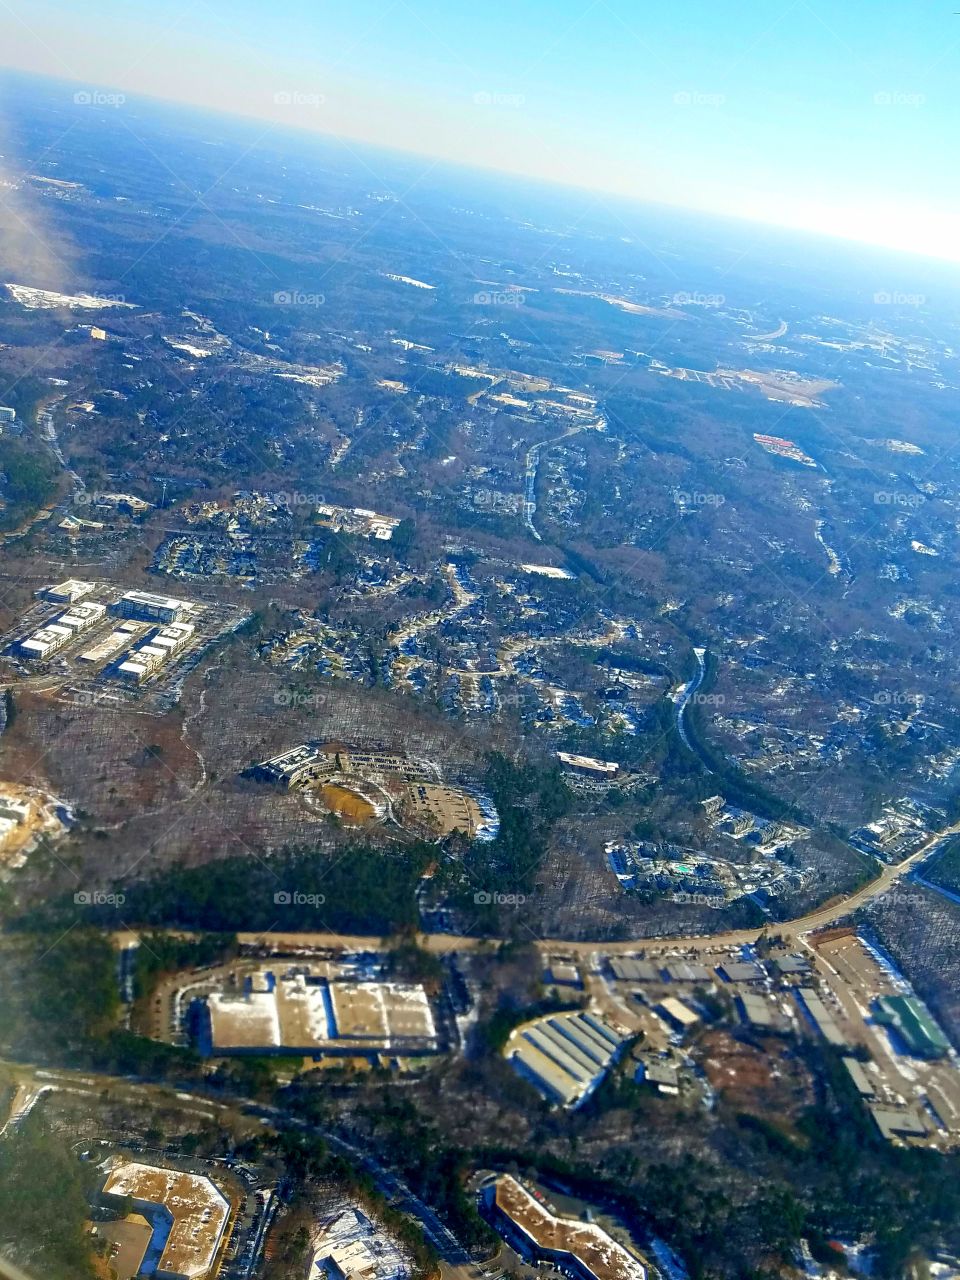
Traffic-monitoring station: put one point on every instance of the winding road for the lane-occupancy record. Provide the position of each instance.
(682, 698)
(446, 943)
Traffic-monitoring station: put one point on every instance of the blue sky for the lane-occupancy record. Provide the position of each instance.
(835, 117)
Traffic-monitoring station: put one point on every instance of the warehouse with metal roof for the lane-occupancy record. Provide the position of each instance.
(684, 971)
(821, 1017)
(628, 969)
(564, 1055)
(740, 971)
(913, 1024)
(679, 1015)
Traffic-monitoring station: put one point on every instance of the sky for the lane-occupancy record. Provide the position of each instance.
(838, 118)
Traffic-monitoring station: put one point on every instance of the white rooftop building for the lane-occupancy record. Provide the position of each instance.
(67, 592)
(150, 607)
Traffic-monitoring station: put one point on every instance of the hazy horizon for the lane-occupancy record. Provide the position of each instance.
(832, 124)
(600, 207)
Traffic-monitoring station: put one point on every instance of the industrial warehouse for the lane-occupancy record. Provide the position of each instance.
(565, 1055)
(312, 1011)
(539, 1234)
(911, 1021)
(187, 1213)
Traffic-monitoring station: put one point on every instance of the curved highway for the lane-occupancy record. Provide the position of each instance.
(682, 699)
(444, 943)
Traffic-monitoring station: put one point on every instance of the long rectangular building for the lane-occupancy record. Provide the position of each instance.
(310, 1014)
(68, 592)
(150, 607)
(822, 1018)
(914, 1024)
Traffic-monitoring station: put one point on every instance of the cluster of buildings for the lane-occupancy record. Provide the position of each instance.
(782, 448)
(52, 636)
(565, 1055)
(895, 1053)
(666, 992)
(136, 607)
(356, 520)
(316, 761)
(694, 878)
(107, 506)
(764, 835)
(149, 657)
(102, 645)
(901, 829)
(250, 536)
(487, 646)
(374, 783)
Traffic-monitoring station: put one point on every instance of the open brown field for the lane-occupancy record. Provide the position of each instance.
(348, 805)
(772, 1083)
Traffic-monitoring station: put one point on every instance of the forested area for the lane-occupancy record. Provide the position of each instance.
(44, 1192)
(28, 479)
